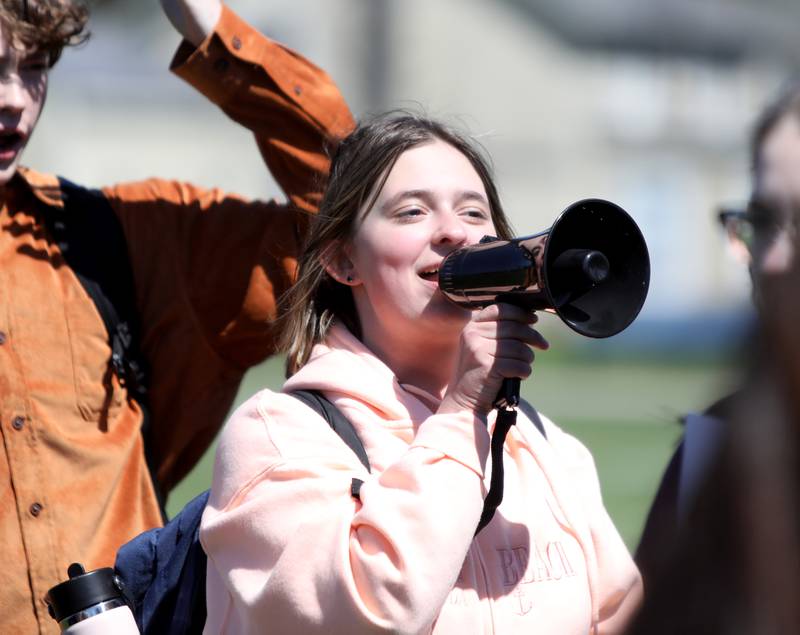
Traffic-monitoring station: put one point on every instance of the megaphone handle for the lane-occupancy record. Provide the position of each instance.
(508, 396)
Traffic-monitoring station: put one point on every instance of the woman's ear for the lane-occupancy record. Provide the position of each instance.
(338, 265)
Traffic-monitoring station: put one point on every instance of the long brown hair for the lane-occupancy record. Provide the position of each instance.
(360, 166)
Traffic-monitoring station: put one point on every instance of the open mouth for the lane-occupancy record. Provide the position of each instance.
(10, 141)
(429, 274)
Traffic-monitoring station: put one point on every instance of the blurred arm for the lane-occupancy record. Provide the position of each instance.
(193, 19)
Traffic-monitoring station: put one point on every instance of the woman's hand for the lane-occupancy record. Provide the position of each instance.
(495, 344)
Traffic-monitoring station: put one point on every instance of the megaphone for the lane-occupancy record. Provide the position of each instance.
(591, 268)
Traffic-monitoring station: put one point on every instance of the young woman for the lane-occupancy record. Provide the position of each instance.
(290, 549)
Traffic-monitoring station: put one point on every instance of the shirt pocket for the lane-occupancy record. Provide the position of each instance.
(97, 390)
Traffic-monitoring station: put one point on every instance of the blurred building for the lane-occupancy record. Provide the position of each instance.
(642, 102)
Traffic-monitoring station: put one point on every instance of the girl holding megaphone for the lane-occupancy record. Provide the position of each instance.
(301, 537)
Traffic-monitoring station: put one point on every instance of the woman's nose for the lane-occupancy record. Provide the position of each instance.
(450, 230)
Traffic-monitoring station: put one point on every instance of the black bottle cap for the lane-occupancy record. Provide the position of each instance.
(81, 591)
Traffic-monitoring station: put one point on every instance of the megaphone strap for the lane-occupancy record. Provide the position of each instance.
(505, 419)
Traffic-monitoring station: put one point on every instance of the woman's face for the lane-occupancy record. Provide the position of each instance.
(779, 186)
(433, 202)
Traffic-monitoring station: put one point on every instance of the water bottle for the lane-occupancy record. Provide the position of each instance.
(91, 603)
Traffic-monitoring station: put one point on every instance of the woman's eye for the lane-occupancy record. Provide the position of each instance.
(409, 213)
(476, 213)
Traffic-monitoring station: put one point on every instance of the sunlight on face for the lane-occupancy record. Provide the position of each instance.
(23, 87)
(432, 203)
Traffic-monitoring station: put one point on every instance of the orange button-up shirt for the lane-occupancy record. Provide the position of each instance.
(207, 268)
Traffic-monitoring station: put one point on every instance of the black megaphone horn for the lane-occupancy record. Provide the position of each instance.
(591, 268)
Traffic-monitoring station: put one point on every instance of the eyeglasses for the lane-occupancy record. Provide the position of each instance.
(760, 223)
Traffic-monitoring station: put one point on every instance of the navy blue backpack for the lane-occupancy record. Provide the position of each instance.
(164, 570)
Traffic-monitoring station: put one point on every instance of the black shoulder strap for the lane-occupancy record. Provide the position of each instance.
(533, 415)
(341, 425)
(93, 244)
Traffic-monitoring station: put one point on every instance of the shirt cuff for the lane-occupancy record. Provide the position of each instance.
(236, 54)
(462, 437)
(208, 67)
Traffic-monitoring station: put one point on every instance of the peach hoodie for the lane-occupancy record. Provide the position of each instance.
(290, 551)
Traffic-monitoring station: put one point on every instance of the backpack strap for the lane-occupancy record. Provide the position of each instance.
(93, 244)
(341, 425)
(533, 415)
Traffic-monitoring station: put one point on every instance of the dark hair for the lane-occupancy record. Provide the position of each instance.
(787, 102)
(44, 25)
(359, 169)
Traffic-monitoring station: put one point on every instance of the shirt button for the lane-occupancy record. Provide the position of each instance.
(237, 43)
(36, 509)
(2, 338)
(18, 423)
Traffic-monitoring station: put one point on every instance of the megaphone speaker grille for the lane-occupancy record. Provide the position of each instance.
(603, 306)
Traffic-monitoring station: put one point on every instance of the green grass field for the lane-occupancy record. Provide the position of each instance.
(626, 412)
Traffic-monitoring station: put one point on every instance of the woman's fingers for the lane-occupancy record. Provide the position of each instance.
(496, 344)
(512, 368)
(513, 350)
(509, 330)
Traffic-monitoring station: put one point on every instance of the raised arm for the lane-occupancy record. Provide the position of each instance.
(193, 19)
(292, 106)
(209, 266)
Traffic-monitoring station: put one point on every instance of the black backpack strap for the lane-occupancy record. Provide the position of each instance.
(341, 425)
(93, 244)
(533, 415)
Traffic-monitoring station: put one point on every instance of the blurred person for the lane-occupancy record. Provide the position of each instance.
(301, 537)
(733, 566)
(77, 475)
(762, 235)
(763, 232)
